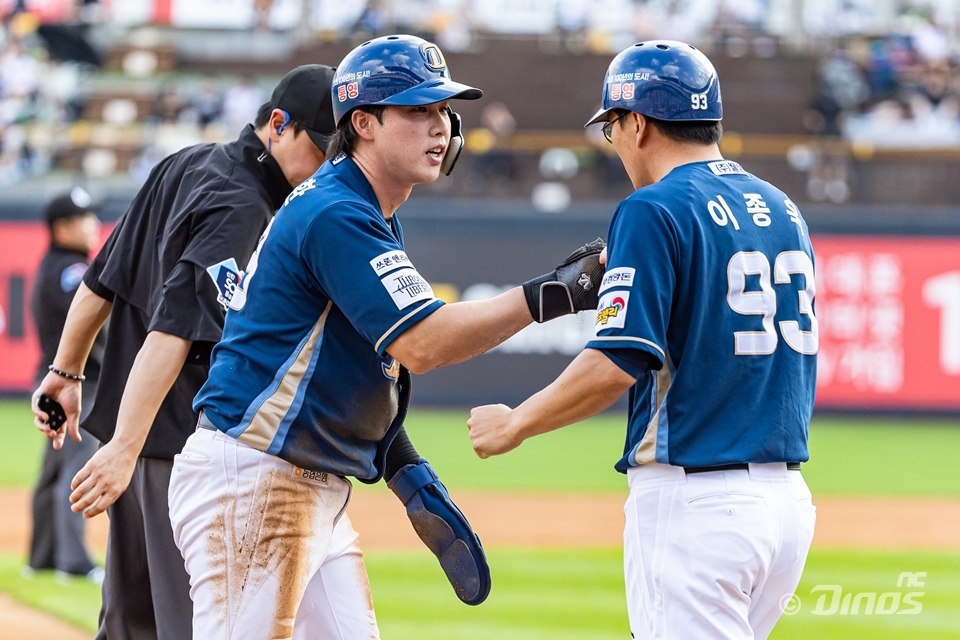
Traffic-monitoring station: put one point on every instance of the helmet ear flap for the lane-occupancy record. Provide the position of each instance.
(455, 145)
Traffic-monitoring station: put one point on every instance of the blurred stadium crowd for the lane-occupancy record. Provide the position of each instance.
(102, 90)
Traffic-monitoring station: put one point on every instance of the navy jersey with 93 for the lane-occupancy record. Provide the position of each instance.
(302, 370)
(710, 275)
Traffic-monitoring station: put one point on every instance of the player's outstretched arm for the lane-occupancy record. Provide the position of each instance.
(86, 316)
(590, 384)
(106, 475)
(463, 330)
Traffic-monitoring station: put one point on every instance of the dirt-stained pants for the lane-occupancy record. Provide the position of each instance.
(270, 552)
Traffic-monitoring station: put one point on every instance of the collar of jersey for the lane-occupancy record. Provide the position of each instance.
(250, 151)
(350, 175)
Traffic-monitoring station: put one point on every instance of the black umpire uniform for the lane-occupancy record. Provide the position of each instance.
(198, 207)
(57, 539)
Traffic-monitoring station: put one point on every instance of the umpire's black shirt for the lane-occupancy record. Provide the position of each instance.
(199, 206)
(58, 277)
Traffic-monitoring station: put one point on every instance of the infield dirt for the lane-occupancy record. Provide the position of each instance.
(581, 520)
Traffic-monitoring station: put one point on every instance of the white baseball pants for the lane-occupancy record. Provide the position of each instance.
(711, 555)
(270, 552)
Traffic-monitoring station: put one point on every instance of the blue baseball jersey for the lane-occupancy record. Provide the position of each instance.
(302, 370)
(710, 276)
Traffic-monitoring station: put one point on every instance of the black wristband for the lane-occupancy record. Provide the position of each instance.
(69, 376)
(400, 454)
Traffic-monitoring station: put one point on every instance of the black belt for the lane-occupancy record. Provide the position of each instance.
(204, 423)
(791, 466)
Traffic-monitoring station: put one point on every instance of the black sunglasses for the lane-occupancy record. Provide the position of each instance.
(608, 126)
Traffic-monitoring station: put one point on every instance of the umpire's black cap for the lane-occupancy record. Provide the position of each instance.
(304, 93)
(76, 203)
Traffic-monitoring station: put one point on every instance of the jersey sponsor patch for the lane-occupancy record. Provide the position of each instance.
(619, 277)
(386, 262)
(406, 286)
(319, 477)
(726, 168)
(612, 310)
(340, 158)
(226, 277)
(72, 276)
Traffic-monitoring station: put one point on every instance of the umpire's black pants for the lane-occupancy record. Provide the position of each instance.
(57, 540)
(146, 591)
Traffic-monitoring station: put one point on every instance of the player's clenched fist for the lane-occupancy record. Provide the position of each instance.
(491, 431)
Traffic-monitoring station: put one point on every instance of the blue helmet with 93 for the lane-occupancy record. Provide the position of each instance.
(662, 79)
(399, 70)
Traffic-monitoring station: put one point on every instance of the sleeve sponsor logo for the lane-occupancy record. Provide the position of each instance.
(619, 277)
(612, 310)
(726, 168)
(72, 276)
(386, 262)
(226, 276)
(406, 286)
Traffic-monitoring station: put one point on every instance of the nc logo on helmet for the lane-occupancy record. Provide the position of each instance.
(432, 56)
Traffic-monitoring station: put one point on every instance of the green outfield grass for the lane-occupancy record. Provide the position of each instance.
(77, 601)
(849, 456)
(578, 593)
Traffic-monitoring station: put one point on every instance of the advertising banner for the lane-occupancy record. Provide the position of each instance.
(888, 309)
(889, 312)
(22, 245)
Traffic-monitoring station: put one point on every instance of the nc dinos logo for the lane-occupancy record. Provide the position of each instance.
(391, 370)
(432, 56)
(605, 314)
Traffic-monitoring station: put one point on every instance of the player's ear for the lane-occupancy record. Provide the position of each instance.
(278, 121)
(363, 123)
(639, 127)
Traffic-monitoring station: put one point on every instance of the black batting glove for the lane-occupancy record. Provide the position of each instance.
(569, 288)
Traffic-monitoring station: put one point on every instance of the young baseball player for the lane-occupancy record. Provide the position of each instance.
(706, 316)
(203, 218)
(311, 380)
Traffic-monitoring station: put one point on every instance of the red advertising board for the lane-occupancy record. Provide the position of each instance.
(22, 245)
(889, 312)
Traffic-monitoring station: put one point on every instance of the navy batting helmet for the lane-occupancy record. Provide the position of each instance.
(395, 70)
(662, 79)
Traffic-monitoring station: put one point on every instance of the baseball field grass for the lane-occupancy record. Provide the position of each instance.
(577, 594)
